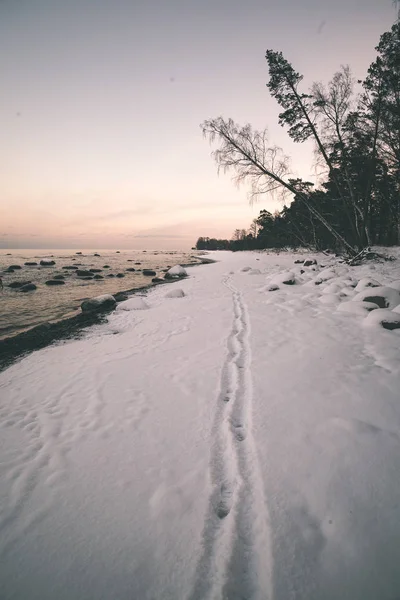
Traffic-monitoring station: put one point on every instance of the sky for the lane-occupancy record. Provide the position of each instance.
(101, 103)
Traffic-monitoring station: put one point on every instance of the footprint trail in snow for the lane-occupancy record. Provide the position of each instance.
(236, 558)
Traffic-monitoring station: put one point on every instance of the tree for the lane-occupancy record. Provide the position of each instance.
(247, 153)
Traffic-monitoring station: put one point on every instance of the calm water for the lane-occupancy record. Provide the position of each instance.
(19, 311)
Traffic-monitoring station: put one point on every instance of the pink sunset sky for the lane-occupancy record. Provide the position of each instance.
(102, 100)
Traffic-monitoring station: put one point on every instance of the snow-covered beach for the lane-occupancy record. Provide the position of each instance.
(238, 440)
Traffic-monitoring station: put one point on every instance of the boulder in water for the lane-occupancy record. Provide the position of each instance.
(17, 284)
(47, 263)
(28, 287)
(55, 282)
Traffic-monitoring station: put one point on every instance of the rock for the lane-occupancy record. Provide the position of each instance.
(121, 296)
(78, 252)
(135, 303)
(17, 284)
(129, 260)
(95, 254)
(55, 282)
(157, 280)
(245, 269)
(103, 303)
(299, 261)
(387, 319)
(106, 266)
(149, 272)
(30, 264)
(58, 277)
(272, 287)
(95, 270)
(110, 275)
(28, 287)
(71, 267)
(83, 273)
(309, 262)
(118, 252)
(175, 293)
(9, 270)
(14, 268)
(287, 278)
(366, 282)
(131, 269)
(120, 275)
(384, 297)
(138, 263)
(176, 271)
(86, 277)
(47, 263)
(98, 277)
(357, 308)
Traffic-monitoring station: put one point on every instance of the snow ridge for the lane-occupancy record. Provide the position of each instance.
(236, 558)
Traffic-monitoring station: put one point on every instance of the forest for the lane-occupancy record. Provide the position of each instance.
(355, 129)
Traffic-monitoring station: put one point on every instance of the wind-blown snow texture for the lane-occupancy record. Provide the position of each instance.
(239, 442)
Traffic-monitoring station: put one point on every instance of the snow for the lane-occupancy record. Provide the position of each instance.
(240, 444)
(136, 303)
(175, 293)
(384, 296)
(357, 307)
(365, 283)
(386, 318)
(177, 271)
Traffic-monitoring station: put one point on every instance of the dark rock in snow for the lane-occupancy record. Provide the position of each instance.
(95, 254)
(98, 277)
(78, 252)
(309, 262)
(30, 264)
(120, 275)
(121, 296)
(157, 280)
(298, 261)
(110, 275)
(149, 272)
(95, 270)
(138, 263)
(12, 268)
(131, 269)
(58, 277)
(106, 266)
(99, 304)
(71, 267)
(83, 273)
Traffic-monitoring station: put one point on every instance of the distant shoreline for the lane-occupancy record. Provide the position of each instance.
(36, 338)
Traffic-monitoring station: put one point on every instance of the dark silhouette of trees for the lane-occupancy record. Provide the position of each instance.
(357, 141)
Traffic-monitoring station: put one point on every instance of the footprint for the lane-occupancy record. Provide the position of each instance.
(225, 502)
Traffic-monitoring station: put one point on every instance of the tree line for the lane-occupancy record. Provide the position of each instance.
(357, 144)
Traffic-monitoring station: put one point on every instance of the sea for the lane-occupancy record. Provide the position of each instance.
(20, 311)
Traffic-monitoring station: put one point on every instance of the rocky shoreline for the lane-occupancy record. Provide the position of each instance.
(17, 346)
